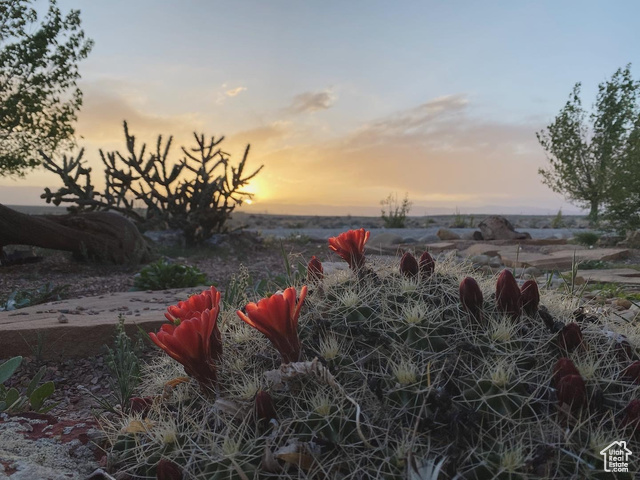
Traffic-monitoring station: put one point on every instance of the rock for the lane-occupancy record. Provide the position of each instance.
(477, 236)
(480, 260)
(385, 239)
(623, 303)
(495, 262)
(496, 227)
(429, 239)
(608, 241)
(632, 240)
(446, 234)
(532, 271)
(481, 249)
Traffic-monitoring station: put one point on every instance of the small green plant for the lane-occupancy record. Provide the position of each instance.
(394, 213)
(557, 221)
(593, 265)
(586, 238)
(123, 362)
(34, 397)
(460, 220)
(163, 274)
(26, 298)
(293, 274)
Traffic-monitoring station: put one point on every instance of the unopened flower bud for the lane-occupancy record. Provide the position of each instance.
(508, 294)
(561, 369)
(265, 409)
(426, 264)
(530, 297)
(168, 470)
(140, 405)
(471, 297)
(632, 372)
(408, 265)
(631, 414)
(570, 337)
(572, 391)
(315, 272)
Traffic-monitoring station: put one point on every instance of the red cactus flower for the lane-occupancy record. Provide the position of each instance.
(426, 265)
(408, 265)
(570, 337)
(315, 272)
(530, 297)
(471, 297)
(632, 372)
(193, 344)
(508, 294)
(265, 409)
(350, 246)
(193, 307)
(140, 405)
(561, 369)
(276, 318)
(208, 299)
(168, 470)
(572, 391)
(631, 415)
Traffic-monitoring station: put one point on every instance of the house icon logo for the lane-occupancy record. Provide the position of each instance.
(616, 457)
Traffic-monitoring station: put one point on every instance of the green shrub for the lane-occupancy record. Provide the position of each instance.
(163, 274)
(557, 221)
(586, 238)
(394, 214)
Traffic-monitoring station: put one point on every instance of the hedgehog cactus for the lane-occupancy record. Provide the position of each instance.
(390, 376)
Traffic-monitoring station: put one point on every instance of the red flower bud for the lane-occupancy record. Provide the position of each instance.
(632, 372)
(426, 265)
(570, 337)
(471, 297)
(408, 265)
(265, 409)
(572, 391)
(508, 294)
(140, 405)
(631, 414)
(530, 297)
(315, 272)
(167, 470)
(561, 369)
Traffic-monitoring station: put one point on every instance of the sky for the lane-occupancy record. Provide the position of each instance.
(345, 102)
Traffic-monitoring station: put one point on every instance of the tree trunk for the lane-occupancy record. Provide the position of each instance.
(102, 236)
(593, 213)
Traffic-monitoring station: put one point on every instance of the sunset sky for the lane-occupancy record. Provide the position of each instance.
(345, 101)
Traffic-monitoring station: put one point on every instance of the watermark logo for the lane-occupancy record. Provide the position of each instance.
(616, 457)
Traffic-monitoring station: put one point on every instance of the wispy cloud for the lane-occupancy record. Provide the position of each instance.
(309, 102)
(235, 91)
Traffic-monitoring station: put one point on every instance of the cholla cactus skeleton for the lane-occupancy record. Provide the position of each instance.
(198, 205)
(396, 376)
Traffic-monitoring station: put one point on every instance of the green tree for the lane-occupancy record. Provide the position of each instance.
(39, 97)
(585, 150)
(623, 203)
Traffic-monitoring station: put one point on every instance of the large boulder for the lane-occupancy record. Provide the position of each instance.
(446, 234)
(496, 227)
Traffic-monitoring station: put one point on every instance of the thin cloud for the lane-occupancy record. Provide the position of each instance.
(309, 102)
(234, 92)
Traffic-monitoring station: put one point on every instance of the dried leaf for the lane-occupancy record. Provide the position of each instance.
(138, 426)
